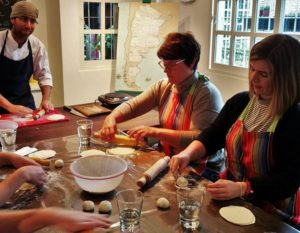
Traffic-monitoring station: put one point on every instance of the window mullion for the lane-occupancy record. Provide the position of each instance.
(233, 23)
(102, 29)
(279, 15)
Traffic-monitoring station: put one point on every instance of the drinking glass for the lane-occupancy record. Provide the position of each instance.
(130, 204)
(190, 200)
(84, 129)
(8, 134)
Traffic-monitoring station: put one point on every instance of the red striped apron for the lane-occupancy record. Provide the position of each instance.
(249, 154)
(176, 114)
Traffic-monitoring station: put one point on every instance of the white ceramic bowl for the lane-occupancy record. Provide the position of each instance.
(98, 173)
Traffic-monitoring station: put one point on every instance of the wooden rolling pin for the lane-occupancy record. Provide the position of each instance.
(43, 162)
(39, 114)
(123, 140)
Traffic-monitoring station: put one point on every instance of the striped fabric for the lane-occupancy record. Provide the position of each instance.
(250, 154)
(175, 113)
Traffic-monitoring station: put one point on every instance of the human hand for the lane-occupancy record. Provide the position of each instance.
(226, 189)
(19, 161)
(75, 221)
(178, 163)
(47, 105)
(19, 110)
(140, 132)
(32, 174)
(109, 129)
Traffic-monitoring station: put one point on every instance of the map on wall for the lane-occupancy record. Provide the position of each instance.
(142, 29)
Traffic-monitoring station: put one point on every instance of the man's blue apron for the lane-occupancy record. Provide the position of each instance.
(14, 79)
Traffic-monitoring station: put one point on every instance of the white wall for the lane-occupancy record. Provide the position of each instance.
(48, 31)
(59, 29)
(80, 85)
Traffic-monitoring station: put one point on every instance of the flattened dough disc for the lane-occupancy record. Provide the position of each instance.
(43, 154)
(92, 152)
(238, 215)
(55, 117)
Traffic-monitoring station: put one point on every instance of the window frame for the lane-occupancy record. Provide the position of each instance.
(102, 63)
(234, 70)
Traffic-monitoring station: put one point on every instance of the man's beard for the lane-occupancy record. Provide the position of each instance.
(22, 34)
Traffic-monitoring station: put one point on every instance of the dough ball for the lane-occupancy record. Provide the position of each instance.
(88, 206)
(59, 163)
(163, 203)
(105, 206)
(182, 181)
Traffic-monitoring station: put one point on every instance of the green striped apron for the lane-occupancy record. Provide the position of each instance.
(249, 154)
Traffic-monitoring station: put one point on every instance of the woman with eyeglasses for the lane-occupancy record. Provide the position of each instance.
(260, 130)
(187, 102)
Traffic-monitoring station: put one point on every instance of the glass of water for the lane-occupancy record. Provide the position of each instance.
(85, 129)
(190, 200)
(8, 135)
(130, 204)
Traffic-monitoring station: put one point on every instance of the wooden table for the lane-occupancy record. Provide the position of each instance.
(61, 189)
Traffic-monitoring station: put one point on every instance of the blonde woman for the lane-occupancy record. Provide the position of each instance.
(260, 131)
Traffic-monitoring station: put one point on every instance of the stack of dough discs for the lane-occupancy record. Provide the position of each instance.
(55, 117)
(42, 154)
(238, 215)
(121, 151)
(92, 152)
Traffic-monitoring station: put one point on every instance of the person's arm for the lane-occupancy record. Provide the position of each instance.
(128, 110)
(31, 174)
(15, 109)
(8, 158)
(109, 127)
(173, 137)
(213, 137)
(25, 221)
(195, 151)
(46, 98)
(41, 72)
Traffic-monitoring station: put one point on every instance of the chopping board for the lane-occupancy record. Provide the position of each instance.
(29, 121)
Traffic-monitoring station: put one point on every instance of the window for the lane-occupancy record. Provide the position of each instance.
(100, 25)
(238, 24)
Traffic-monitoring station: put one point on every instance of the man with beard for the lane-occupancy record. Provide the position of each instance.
(23, 55)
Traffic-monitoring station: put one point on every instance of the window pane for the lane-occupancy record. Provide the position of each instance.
(243, 15)
(257, 39)
(292, 16)
(224, 15)
(92, 47)
(241, 51)
(265, 15)
(110, 46)
(92, 15)
(111, 15)
(222, 53)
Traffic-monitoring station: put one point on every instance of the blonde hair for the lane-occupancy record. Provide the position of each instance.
(282, 52)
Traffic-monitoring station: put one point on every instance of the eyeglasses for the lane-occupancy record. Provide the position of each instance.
(169, 64)
(26, 20)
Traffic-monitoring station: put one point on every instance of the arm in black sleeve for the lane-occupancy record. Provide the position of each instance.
(214, 136)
